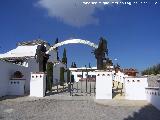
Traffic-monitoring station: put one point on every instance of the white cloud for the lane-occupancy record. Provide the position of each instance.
(72, 12)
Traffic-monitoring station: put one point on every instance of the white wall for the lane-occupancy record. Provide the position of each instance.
(153, 96)
(6, 70)
(135, 88)
(56, 72)
(119, 77)
(53, 56)
(33, 66)
(103, 85)
(38, 84)
(16, 87)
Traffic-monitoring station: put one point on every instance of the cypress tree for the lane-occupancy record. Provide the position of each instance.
(68, 75)
(64, 59)
(62, 76)
(56, 41)
(49, 81)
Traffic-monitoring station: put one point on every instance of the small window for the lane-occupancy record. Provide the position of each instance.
(103, 75)
(32, 76)
(138, 80)
(108, 74)
(128, 81)
(98, 75)
(133, 81)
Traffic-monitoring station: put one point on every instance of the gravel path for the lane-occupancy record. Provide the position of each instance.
(62, 107)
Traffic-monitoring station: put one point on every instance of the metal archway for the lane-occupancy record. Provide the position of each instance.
(73, 41)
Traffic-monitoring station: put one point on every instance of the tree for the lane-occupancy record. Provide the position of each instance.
(56, 41)
(64, 59)
(155, 69)
(89, 65)
(49, 81)
(62, 76)
(68, 75)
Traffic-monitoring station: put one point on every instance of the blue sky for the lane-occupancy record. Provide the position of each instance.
(132, 32)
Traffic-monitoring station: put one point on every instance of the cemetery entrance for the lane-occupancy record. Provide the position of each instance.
(83, 87)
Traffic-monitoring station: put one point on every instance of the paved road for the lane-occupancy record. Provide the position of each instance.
(62, 107)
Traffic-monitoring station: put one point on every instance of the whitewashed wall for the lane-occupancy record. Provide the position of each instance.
(16, 87)
(135, 88)
(38, 84)
(32, 67)
(153, 96)
(6, 70)
(103, 85)
(56, 72)
(119, 77)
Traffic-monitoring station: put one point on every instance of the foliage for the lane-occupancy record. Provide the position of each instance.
(68, 76)
(155, 69)
(73, 65)
(64, 59)
(49, 81)
(72, 78)
(62, 76)
(56, 41)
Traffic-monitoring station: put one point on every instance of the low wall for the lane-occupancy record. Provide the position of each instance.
(16, 87)
(153, 96)
(6, 70)
(135, 88)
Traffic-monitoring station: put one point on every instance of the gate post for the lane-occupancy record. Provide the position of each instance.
(103, 85)
(38, 84)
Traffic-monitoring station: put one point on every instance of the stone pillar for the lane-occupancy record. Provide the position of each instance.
(38, 84)
(103, 85)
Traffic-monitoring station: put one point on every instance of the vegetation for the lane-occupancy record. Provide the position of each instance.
(68, 76)
(56, 41)
(49, 81)
(62, 76)
(64, 59)
(155, 69)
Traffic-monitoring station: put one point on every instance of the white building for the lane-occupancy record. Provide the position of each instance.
(22, 59)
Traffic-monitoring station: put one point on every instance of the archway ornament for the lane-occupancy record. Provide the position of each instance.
(73, 41)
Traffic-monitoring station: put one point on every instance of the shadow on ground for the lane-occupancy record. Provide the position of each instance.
(12, 96)
(147, 112)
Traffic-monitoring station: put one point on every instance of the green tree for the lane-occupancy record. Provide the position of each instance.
(64, 59)
(155, 69)
(62, 76)
(68, 75)
(49, 81)
(56, 41)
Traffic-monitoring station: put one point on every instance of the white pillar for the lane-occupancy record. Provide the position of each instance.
(103, 85)
(38, 84)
